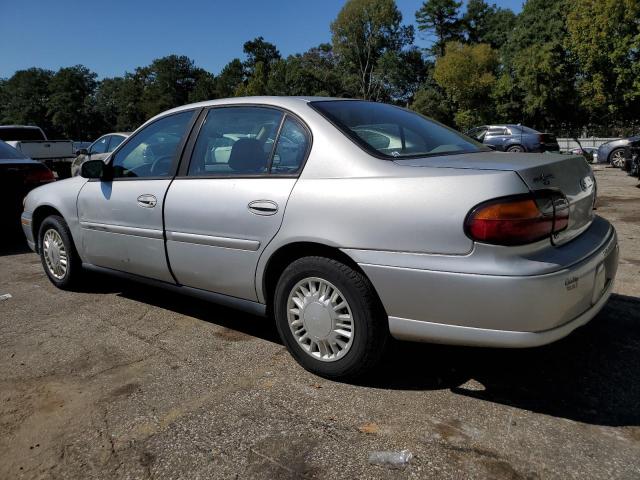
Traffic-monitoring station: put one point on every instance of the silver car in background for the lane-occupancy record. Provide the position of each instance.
(348, 222)
(98, 150)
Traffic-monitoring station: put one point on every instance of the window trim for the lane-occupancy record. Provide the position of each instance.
(187, 157)
(364, 146)
(179, 150)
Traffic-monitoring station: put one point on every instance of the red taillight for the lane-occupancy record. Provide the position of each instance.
(518, 220)
(40, 175)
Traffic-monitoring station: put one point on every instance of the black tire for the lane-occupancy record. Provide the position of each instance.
(515, 149)
(371, 332)
(74, 264)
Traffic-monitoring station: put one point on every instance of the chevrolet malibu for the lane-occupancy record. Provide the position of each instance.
(349, 222)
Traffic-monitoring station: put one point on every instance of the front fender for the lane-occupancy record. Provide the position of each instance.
(60, 196)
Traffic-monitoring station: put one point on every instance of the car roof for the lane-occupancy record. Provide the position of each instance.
(276, 101)
(20, 126)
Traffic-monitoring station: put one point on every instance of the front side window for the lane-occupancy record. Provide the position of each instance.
(152, 151)
(392, 132)
(235, 141)
(100, 145)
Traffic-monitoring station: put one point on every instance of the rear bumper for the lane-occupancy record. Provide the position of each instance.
(495, 310)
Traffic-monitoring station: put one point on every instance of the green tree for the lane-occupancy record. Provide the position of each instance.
(168, 82)
(361, 34)
(229, 79)
(466, 73)
(608, 57)
(539, 72)
(26, 98)
(70, 105)
(440, 18)
(314, 72)
(484, 23)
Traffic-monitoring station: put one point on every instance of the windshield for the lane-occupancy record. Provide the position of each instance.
(393, 132)
(8, 152)
(20, 134)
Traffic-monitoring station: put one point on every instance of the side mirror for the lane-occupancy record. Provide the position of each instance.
(82, 151)
(492, 147)
(93, 169)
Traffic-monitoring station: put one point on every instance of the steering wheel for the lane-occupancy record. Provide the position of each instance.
(161, 165)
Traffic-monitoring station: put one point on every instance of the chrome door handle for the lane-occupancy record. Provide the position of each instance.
(263, 207)
(147, 200)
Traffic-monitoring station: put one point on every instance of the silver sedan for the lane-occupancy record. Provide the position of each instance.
(348, 222)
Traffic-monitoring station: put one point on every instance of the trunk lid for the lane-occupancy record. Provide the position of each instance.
(571, 175)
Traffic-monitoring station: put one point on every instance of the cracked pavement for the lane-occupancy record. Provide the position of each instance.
(120, 380)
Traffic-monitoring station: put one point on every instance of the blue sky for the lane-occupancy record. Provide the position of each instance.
(111, 37)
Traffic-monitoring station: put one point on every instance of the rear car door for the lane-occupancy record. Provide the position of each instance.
(497, 136)
(228, 202)
(121, 217)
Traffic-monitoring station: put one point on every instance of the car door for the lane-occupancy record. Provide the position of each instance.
(121, 215)
(497, 137)
(228, 201)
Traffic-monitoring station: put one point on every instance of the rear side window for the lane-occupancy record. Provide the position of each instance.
(392, 132)
(236, 141)
(8, 152)
(20, 134)
(291, 148)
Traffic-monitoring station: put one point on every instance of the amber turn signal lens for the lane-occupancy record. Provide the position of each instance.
(514, 221)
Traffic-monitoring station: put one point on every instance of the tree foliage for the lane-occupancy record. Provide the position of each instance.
(363, 32)
(440, 18)
(466, 73)
(559, 65)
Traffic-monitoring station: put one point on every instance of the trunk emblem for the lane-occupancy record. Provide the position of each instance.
(545, 178)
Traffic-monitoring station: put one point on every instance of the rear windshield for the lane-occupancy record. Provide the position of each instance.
(8, 152)
(393, 132)
(20, 134)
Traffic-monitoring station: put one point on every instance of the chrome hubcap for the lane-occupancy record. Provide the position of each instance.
(55, 255)
(320, 319)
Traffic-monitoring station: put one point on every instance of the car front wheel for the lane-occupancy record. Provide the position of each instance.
(617, 158)
(57, 252)
(330, 318)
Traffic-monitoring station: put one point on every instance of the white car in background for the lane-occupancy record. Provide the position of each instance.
(99, 150)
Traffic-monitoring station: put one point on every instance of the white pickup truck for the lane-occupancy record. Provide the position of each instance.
(33, 143)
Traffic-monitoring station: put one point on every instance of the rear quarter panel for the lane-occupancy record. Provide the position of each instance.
(415, 209)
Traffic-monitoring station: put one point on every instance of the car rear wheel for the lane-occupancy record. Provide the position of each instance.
(515, 149)
(57, 252)
(617, 158)
(329, 318)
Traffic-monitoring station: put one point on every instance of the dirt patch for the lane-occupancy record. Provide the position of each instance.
(125, 390)
(232, 335)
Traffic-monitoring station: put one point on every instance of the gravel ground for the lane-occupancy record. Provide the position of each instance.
(120, 380)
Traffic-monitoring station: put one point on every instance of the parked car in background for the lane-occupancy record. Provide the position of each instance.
(79, 146)
(304, 208)
(18, 176)
(514, 138)
(57, 155)
(615, 152)
(589, 153)
(98, 150)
